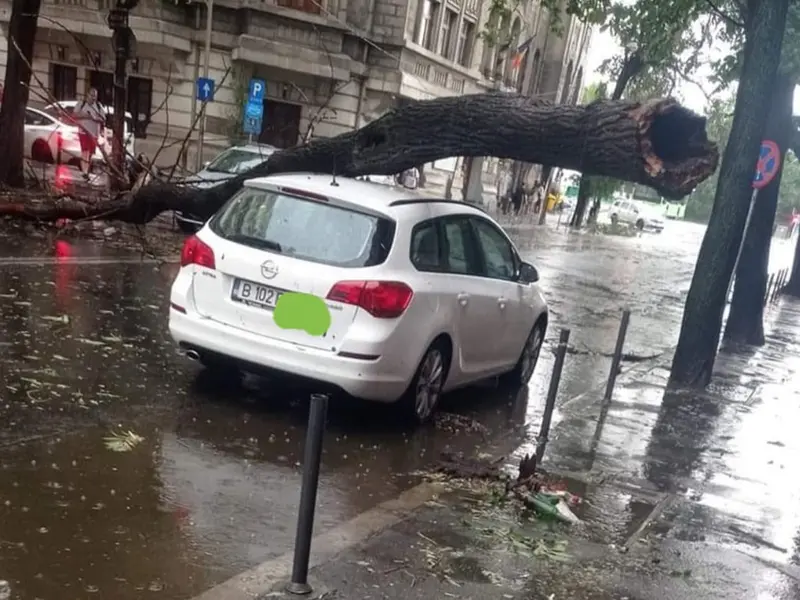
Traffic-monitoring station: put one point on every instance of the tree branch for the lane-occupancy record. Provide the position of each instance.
(724, 16)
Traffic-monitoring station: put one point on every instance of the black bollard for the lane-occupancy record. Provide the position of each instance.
(552, 392)
(312, 457)
(617, 358)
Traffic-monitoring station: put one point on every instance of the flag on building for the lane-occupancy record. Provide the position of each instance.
(520, 52)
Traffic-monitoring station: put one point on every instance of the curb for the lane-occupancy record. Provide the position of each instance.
(263, 578)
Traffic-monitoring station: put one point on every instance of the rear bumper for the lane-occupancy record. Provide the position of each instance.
(363, 379)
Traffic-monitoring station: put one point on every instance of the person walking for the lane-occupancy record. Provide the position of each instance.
(91, 120)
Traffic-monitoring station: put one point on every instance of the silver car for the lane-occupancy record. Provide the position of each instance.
(227, 164)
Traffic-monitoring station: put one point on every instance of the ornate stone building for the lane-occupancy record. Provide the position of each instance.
(329, 65)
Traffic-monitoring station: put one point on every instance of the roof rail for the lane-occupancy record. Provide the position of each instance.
(439, 200)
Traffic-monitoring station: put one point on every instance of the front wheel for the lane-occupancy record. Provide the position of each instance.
(422, 396)
(522, 372)
(614, 219)
(640, 224)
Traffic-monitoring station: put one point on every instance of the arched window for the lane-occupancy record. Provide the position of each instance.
(578, 87)
(566, 86)
(533, 87)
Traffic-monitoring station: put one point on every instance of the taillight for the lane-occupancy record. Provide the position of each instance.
(196, 252)
(382, 299)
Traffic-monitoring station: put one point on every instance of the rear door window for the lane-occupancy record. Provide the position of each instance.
(461, 255)
(425, 247)
(312, 230)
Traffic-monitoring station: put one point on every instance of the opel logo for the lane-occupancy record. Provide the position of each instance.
(269, 270)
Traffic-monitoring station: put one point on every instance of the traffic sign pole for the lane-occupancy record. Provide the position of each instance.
(202, 133)
(767, 167)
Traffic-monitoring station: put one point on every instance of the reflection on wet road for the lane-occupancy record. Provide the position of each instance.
(213, 487)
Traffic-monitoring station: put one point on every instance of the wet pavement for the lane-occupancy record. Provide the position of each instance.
(212, 488)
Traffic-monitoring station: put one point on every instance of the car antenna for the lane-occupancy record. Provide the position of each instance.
(333, 181)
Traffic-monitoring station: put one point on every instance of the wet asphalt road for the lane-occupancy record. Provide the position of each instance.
(213, 487)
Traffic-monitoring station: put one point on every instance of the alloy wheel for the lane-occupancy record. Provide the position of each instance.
(429, 384)
(530, 354)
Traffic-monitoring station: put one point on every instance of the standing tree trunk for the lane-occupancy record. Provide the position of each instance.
(631, 68)
(21, 37)
(745, 323)
(696, 352)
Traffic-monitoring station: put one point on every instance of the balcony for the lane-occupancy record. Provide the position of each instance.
(154, 22)
(434, 76)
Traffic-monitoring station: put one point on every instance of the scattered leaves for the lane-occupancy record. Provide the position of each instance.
(124, 441)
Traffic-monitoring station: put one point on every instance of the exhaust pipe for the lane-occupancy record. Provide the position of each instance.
(192, 354)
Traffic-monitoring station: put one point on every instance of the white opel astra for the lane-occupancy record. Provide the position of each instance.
(421, 295)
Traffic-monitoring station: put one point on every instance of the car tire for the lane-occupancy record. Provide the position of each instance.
(614, 219)
(421, 398)
(640, 224)
(522, 372)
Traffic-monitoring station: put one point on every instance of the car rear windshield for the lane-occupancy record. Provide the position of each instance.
(307, 229)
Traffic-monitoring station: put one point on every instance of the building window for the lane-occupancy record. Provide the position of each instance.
(448, 31)
(308, 6)
(140, 104)
(103, 82)
(427, 24)
(465, 40)
(63, 82)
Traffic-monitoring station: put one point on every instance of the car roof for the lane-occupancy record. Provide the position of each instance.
(370, 195)
(74, 103)
(254, 148)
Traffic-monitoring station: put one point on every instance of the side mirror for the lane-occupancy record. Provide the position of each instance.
(528, 273)
(205, 164)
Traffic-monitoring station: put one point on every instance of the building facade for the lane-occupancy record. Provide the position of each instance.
(329, 65)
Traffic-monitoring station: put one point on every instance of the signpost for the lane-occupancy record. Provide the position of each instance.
(205, 89)
(767, 167)
(254, 109)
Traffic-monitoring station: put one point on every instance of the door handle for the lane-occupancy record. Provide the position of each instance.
(463, 299)
(501, 302)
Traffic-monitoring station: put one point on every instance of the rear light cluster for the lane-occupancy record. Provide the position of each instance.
(382, 299)
(196, 252)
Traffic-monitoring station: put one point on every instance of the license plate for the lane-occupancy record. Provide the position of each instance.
(254, 294)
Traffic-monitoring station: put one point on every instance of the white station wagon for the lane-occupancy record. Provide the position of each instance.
(424, 295)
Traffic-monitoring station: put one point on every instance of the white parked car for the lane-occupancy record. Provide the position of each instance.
(49, 140)
(634, 213)
(424, 295)
(63, 111)
(227, 164)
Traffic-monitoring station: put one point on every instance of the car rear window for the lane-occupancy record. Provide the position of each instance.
(307, 229)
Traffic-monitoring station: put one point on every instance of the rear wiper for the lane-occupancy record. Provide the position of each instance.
(257, 242)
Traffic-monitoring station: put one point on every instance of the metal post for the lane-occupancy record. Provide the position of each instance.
(552, 392)
(312, 456)
(202, 132)
(769, 287)
(741, 244)
(617, 358)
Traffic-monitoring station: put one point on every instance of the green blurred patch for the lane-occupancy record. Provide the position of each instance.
(305, 312)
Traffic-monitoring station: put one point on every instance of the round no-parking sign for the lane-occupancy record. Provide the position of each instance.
(769, 161)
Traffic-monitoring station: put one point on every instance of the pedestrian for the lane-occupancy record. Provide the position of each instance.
(91, 120)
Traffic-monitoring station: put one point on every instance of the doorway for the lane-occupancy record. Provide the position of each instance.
(281, 126)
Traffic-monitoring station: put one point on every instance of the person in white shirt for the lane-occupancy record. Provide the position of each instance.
(91, 120)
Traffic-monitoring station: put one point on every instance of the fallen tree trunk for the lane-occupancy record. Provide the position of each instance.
(657, 143)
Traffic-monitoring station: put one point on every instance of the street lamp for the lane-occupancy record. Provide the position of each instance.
(202, 132)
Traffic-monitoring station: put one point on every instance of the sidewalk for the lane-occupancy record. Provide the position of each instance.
(685, 497)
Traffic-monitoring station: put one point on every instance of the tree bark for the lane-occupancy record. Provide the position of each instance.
(745, 324)
(696, 352)
(21, 37)
(584, 195)
(657, 143)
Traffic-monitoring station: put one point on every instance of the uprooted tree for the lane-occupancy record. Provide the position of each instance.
(656, 143)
